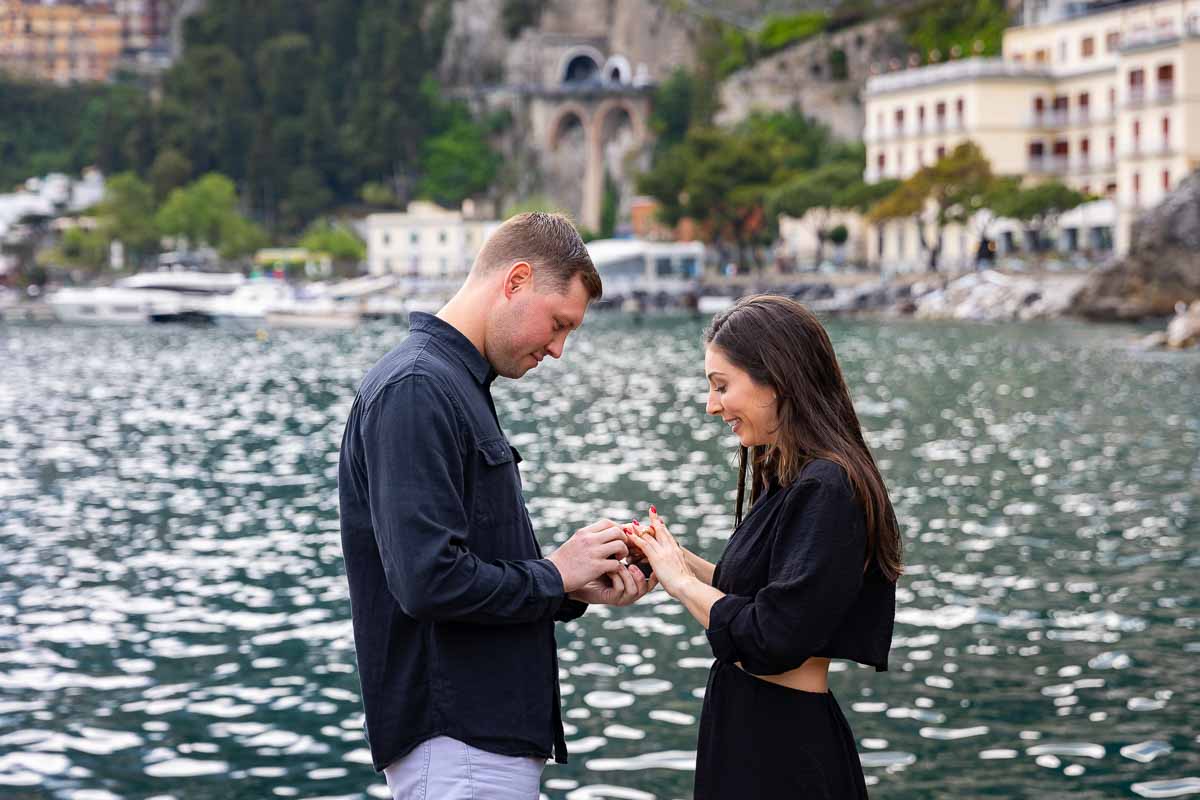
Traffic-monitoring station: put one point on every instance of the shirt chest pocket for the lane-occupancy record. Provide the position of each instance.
(499, 504)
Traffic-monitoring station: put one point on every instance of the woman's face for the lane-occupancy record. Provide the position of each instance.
(749, 408)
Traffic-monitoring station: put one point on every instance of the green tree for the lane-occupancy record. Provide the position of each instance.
(206, 212)
(1037, 207)
(948, 192)
(170, 170)
(127, 214)
(813, 195)
(948, 26)
(458, 162)
(779, 31)
(80, 249)
(336, 241)
(674, 108)
(720, 179)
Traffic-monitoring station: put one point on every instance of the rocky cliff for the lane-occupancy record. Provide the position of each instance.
(1163, 265)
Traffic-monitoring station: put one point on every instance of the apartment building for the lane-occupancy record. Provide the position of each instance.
(1102, 96)
(426, 241)
(59, 43)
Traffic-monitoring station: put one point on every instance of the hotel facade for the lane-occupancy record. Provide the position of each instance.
(1103, 97)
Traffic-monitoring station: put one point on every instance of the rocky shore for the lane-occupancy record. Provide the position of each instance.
(981, 296)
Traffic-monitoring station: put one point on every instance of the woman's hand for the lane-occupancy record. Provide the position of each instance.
(665, 555)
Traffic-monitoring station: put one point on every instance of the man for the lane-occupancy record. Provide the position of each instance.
(453, 605)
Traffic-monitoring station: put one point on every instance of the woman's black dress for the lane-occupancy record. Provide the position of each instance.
(795, 588)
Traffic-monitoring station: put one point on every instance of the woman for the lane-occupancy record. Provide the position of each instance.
(808, 575)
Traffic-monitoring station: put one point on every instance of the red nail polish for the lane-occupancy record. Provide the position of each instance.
(652, 511)
(635, 522)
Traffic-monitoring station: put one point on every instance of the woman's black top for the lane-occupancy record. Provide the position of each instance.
(794, 581)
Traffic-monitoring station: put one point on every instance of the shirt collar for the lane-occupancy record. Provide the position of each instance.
(455, 342)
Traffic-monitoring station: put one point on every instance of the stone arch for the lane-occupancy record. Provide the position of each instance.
(604, 112)
(580, 64)
(566, 119)
(618, 70)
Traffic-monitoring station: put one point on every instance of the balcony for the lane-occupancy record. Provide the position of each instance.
(1141, 151)
(1047, 165)
(1163, 34)
(962, 70)
(1091, 166)
(1139, 97)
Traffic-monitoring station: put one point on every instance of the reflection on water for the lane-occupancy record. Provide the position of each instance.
(174, 622)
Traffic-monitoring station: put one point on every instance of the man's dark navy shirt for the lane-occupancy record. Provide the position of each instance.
(453, 605)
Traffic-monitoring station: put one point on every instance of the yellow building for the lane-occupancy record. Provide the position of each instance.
(1104, 97)
(59, 43)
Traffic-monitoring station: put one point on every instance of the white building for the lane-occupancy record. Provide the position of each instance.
(1103, 96)
(426, 241)
(627, 266)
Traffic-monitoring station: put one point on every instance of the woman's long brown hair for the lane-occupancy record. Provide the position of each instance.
(783, 346)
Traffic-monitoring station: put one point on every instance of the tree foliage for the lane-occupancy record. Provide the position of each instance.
(948, 192)
(299, 102)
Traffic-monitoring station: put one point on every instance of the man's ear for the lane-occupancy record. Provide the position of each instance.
(519, 278)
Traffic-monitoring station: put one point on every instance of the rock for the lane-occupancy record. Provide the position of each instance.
(1163, 265)
(1153, 341)
(1184, 330)
(993, 296)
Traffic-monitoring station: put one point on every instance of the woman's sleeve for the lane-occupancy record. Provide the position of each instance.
(816, 572)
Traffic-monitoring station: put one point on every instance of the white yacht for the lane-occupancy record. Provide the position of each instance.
(113, 305)
(162, 296)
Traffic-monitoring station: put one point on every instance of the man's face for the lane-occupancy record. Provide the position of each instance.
(531, 323)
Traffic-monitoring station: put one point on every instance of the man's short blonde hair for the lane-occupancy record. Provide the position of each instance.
(549, 243)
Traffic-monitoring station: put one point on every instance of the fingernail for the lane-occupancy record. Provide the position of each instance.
(635, 522)
(652, 510)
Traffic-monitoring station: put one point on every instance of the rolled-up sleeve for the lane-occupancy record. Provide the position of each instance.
(413, 451)
(816, 571)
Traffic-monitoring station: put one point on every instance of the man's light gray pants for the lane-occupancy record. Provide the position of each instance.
(447, 769)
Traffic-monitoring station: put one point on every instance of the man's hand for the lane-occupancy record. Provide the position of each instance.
(590, 553)
(621, 588)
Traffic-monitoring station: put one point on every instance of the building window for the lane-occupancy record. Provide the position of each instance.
(1084, 106)
(899, 120)
(1087, 48)
(1166, 133)
(1137, 135)
(1137, 85)
(1166, 180)
(959, 108)
(940, 152)
(1041, 56)
(1166, 82)
(386, 240)
(441, 237)
(940, 112)
(1112, 145)
(663, 267)
(881, 162)
(1112, 40)
(414, 238)
(1037, 152)
(1061, 104)
(1084, 153)
(1137, 188)
(1019, 58)
(920, 118)
(1062, 151)
(1110, 189)
(900, 161)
